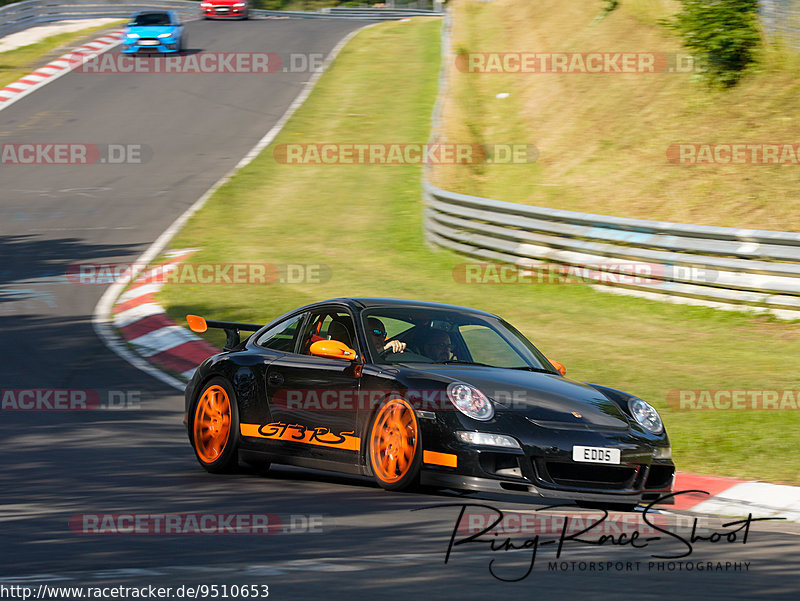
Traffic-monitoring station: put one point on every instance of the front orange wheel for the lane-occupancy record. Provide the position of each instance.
(214, 424)
(394, 445)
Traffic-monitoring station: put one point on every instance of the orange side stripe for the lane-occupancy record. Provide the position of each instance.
(434, 458)
(296, 433)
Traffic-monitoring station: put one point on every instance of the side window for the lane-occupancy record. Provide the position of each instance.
(395, 327)
(282, 336)
(329, 325)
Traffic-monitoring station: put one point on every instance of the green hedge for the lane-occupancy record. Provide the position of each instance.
(723, 34)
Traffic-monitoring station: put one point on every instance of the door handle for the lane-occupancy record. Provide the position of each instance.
(275, 379)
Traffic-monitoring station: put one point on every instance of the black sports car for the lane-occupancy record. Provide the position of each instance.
(412, 392)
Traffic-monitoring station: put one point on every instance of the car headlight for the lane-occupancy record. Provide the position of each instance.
(470, 401)
(132, 35)
(240, 4)
(646, 416)
(165, 35)
(488, 440)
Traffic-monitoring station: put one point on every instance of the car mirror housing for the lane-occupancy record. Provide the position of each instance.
(559, 367)
(333, 349)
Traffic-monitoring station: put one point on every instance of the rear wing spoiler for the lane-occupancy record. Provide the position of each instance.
(232, 328)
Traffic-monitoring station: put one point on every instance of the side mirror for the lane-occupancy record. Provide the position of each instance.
(333, 349)
(559, 367)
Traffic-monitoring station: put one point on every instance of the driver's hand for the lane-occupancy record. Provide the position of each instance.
(396, 346)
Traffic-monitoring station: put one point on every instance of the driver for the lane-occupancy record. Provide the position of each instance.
(378, 335)
(438, 345)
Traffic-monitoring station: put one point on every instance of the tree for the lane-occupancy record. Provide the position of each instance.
(723, 34)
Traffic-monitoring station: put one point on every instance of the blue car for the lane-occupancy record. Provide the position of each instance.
(154, 31)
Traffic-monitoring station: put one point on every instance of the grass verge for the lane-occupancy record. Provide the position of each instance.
(364, 222)
(18, 63)
(603, 137)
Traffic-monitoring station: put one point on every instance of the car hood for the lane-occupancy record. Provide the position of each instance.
(546, 399)
(150, 31)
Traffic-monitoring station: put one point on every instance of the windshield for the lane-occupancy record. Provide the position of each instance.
(150, 19)
(423, 335)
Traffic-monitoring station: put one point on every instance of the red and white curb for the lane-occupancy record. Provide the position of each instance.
(57, 68)
(733, 497)
(144, 324)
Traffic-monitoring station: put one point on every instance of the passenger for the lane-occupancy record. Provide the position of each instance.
(378, 335)
(437, 345)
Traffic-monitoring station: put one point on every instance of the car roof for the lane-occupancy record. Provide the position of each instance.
(170, 13)
(364, 302)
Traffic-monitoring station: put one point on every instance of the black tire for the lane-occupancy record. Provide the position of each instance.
(607, 506)
(218, 453)
(389, 443)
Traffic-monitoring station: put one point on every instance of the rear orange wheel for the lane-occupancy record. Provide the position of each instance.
(394, 445)
(214, 423)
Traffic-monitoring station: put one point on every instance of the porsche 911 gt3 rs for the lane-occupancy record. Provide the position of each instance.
(411, 392)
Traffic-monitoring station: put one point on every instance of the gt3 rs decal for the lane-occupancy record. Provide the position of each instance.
(298, 433)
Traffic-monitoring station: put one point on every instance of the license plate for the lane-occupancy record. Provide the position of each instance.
(596, 455)
(148, 43)
(222, 10)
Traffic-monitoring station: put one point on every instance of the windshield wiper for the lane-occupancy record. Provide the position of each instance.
(460, 362)
(536, 369)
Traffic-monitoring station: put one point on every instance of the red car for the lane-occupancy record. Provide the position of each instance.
(224, 9)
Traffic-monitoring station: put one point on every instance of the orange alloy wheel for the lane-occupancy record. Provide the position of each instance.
(393, 441)
(212, 423)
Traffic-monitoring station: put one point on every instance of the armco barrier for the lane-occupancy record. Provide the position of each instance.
(720, 267)
(727, 268)
(21, 15)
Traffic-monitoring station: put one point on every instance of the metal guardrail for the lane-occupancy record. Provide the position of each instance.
(21, 15)
(730, 267)
(779, 18)
(720, 267)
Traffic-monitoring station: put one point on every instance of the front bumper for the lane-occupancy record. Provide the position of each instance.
(135, 46)
(439, 478)
(233, 13)
(544, 467)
